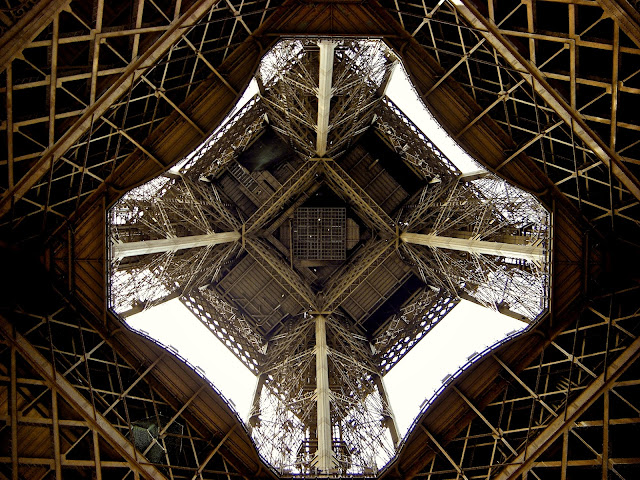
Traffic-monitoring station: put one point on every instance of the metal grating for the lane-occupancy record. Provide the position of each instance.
(319, 234)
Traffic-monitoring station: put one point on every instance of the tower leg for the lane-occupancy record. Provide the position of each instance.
(324, 454)
(389, 418)
(254, 413)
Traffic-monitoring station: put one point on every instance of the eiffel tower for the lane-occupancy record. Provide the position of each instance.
(319, 233)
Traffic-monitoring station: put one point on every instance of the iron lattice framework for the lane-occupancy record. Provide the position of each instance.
(523, 64)
(320, 404)
(99, 97)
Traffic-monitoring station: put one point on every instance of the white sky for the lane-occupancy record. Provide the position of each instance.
(468, 329)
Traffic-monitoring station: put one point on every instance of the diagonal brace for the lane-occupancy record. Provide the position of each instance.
(79, 403)
(603, 383)
(538, 80)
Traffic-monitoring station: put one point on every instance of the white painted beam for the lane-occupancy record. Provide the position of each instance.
(471, 176)
(130, 249)
(324, 454)
(531, 253)
(324, 95)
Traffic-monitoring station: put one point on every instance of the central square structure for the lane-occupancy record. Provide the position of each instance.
(320, 234)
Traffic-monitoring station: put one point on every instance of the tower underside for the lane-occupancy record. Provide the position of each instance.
(100, 97)
(304, 245)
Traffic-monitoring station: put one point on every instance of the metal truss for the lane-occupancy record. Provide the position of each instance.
(289, 190)
(567, 414)
(285, 423)
(101, 112)
(320, 406)
(75, 405)
(289, 77)
(235, 134)
(227, 323)
(371, 212)
(407, 327)
(351, 275)
(165, 208)
(282, 273)
(482, 209)
(520, 63)
(415, 148)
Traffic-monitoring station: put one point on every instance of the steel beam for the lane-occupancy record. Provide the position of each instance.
(130, 75)
(372, 256)
(79, 403)
(293, 187)
(324, 95)
(146, 247)
(254, 413)
(27, 28)
(390, 418)
(538, 81)
(281, 273)
(345, 185)
(626, 16)
(531, 253)
(324, 454)
(525, 460)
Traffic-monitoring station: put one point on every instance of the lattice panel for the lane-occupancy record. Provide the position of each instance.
(320, 234)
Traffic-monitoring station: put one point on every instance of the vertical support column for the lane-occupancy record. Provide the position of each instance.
(55, 426)
(389, 418)
(324, 95)
(605, 436)
(254, 413)
(14, 415)
(324, 454)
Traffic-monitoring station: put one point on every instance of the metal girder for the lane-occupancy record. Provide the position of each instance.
(130, 75)
(347, 186)
(27, 28)
(538, 81)
(625, 15)
(523, 462)
(223, 320)
(324, 95)
(81, 405)
(531, 253)
(390, 418)
(400, 331)
(444, 452)
(370, 258)
(146, 247)
(281, 273)
(138, 288)
(289, 189)
(324, 454)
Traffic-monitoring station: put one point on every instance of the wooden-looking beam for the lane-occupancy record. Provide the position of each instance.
(625, 15)
(539, 82)
(130, 75)
(523, 462)
(13, 42)
(79, 403)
